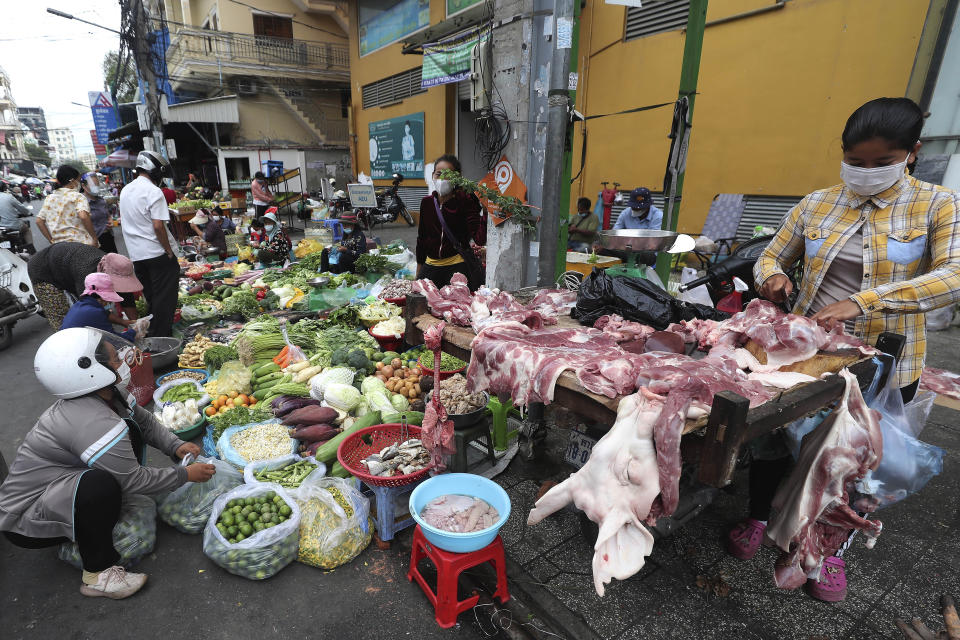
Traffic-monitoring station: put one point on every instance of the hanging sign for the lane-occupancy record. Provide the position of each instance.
(104, 115)
(507, 183)
(448, 61)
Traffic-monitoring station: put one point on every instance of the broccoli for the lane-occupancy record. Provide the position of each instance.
(358, 360)
(339, 356)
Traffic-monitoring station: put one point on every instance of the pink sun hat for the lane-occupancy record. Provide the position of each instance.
(100, 284)
(120, 270)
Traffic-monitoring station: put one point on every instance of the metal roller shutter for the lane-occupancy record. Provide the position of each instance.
(656, 17)
(392, 89)
(412, 196)
(767, 211)
(464, 90)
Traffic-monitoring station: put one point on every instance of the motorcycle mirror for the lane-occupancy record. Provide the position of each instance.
(682, 244)
(332, 181)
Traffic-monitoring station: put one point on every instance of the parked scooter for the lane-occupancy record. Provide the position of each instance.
(17, 298)
(389, 207)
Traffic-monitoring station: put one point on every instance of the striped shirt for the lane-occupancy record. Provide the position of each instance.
(911, 257)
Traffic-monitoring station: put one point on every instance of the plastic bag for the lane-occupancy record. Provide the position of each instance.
(134, 535)
(918, 410)
(264, 553)
(940, 319)
(635, 299)
(907, 464)
(697, 295)
(250, 471)
(295, 353)
(335, 523)
(188, 508)
(233, 376)
(226, 452)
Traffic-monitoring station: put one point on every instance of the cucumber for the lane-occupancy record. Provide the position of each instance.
(258, 382)
(337, 471)
(261, 394)
(269, 384)
(265, 369)
(413, 417)
(328, 450)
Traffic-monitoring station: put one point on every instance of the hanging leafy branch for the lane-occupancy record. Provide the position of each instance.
(510, 207)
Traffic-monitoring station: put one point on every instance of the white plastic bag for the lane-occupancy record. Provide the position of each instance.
(250, 471)
(264, 553)
(330, 534)
(697, 295)
(134, 535)
(188, 508)
(940, 319)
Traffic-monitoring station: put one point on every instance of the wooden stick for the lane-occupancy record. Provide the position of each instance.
(950, 619)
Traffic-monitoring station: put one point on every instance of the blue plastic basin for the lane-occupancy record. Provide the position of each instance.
(466, 484)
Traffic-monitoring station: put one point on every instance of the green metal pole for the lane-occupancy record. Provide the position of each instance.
(564, 213)
(689, 72)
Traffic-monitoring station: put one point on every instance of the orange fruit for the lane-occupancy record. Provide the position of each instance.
(210, 411)
(222, 400)
(253, 401)
(242, 399)
(232, 394)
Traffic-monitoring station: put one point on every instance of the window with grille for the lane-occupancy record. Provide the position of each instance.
(392, 89)
(656, 17)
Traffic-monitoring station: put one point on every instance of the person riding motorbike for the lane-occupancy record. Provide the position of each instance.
(10, 213)
(880, 249)
(84, 454)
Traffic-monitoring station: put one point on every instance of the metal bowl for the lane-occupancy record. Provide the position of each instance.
(163, 351)
(465, 420)
(638, 239)
(320, 281)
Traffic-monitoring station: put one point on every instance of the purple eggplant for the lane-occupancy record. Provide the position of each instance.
(291, 404)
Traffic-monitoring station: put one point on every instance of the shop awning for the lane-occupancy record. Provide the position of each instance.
(121, 158)
(222, 109)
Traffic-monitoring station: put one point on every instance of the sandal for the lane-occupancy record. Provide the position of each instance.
(745, 538)
(832, 584)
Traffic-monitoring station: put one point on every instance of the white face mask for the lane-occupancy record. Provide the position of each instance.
(268, 228)
(870, 182)
(124, 373)
(444, 187)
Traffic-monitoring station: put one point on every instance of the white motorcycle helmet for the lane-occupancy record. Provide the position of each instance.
(74, 362)
(339, 194)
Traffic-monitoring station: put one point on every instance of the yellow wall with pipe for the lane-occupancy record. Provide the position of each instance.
(774, 92)
(437, 104)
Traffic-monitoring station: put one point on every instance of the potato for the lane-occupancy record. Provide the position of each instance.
(412, 394)
(396, 363)
(416, 388)
(390, 385)
(381, 377)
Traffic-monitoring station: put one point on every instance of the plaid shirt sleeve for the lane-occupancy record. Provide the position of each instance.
(785, 248)
(938, 287)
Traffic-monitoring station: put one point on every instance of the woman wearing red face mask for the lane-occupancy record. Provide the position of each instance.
(880, 249)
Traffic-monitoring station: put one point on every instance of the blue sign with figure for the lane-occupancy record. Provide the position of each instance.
(104, 115)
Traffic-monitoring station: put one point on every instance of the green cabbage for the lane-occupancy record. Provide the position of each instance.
(399, 402)
(371, 383)
(342, 396)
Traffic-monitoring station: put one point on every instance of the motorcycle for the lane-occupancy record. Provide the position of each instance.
(17, 298)
(339, 203)
(389, 207)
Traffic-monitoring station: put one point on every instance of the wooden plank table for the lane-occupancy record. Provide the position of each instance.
(731, 422)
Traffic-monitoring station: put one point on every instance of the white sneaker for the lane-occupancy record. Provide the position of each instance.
(115, 583)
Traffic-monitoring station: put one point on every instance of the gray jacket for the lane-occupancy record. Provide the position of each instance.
(70, 438)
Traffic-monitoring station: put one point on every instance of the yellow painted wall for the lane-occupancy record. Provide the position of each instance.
(774, 92)
(264, 118)
(437, 104)
(237, 18)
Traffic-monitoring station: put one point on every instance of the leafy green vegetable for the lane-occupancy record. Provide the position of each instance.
(238, 415)
(141, 304)
(369, 263)
(215, 356)
(447, 362)
(181, 392)
(346, 316)
(358, 360)
(244, 303)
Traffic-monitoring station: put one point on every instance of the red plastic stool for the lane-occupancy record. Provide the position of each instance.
(449, 567)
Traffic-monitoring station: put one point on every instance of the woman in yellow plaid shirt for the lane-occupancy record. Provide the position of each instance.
(880, 249)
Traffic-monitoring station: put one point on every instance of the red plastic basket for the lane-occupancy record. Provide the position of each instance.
(427, 371)
(362, 443)
(387, 343)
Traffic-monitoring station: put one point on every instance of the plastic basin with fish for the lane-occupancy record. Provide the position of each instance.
(466, 484)
(163, 351)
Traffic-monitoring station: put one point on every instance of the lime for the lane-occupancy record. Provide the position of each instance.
(248, 501)
(246, 529)
(232, 530)
(227, 519)
(236, 508)
(260, 575)
(253, 515)
(232, 540)
(285, 510)
(241, 537)
(259, 526)
(270, 495)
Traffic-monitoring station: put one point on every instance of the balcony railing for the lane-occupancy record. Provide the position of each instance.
(243, 49)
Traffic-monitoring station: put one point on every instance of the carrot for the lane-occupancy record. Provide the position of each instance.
(279, 358)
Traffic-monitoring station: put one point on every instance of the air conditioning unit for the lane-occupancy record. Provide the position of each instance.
(481, 75)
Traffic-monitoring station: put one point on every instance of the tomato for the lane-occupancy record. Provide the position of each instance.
(241, 399)
(210, 411)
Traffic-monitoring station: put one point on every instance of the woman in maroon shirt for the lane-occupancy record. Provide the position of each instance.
(437, 258)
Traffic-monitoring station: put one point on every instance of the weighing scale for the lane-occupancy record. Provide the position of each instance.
(635, 241)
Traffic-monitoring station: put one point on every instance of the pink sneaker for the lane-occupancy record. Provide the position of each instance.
(745, 538)
(832, 584)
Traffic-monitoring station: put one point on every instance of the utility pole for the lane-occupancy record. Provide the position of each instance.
(558, 120)
(143, 55)
(676, 164)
